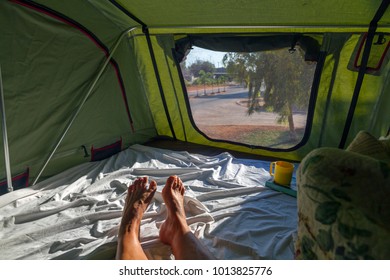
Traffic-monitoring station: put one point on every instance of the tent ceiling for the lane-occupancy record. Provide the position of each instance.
(179, 13)
(253, 12)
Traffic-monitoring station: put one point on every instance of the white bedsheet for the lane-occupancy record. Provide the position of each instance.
(75, 215)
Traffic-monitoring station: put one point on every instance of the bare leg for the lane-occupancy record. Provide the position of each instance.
(175, 230)
(137, 200)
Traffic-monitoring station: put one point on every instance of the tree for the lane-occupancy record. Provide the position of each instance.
(286, 76)
(222, 81)
(199, 65)
(186, 72)
(205, 79)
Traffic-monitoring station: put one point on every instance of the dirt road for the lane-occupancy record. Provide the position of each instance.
(230, 108)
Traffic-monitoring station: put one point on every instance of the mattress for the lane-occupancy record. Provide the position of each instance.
(76, 214)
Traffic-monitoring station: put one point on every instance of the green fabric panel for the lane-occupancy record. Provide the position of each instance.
(254, 12)
(47, 71)
(146, 70)
(170, 81)
(372, 110)
(126, 57)
(380, 117)
(39, 71)
(261, 29)
(327, 130)
(369, 114)
(101, 17)
(342, 94)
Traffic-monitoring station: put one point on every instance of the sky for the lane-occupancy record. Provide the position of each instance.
(203, 54)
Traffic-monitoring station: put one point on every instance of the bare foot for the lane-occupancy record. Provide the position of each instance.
(175, 224)
(137, 201)
(175, 230)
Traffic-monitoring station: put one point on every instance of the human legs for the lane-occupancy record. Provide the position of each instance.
(137, 200)
(175, 230)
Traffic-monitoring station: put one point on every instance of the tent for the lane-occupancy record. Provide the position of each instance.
(53, 52)
(83, 80)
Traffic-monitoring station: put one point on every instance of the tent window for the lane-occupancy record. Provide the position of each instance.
(258, 98)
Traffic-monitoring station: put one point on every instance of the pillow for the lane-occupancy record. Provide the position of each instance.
(366, 144)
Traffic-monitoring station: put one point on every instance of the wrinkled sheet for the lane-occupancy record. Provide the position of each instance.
(76, 214)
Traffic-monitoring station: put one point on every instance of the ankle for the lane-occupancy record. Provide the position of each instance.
(129, 233)
(182, 229)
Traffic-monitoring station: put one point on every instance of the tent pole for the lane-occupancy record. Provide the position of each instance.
(5, 137)
(362, 70)
(75, 114)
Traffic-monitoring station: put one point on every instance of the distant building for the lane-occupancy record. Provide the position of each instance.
(220, 72)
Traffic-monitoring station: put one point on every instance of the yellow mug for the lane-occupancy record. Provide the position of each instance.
(282, 172)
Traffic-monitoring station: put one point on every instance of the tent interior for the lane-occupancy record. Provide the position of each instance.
(97, 93)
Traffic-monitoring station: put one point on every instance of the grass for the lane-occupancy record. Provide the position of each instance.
(270, 138)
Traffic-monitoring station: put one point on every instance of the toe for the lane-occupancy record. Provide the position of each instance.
(180, 186)
(171, 182)
(137, 182)
(144, 183)
(153, 186)
(179, 182)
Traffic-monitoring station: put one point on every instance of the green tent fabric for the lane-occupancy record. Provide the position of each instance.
(52, 51)
(257, 13)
